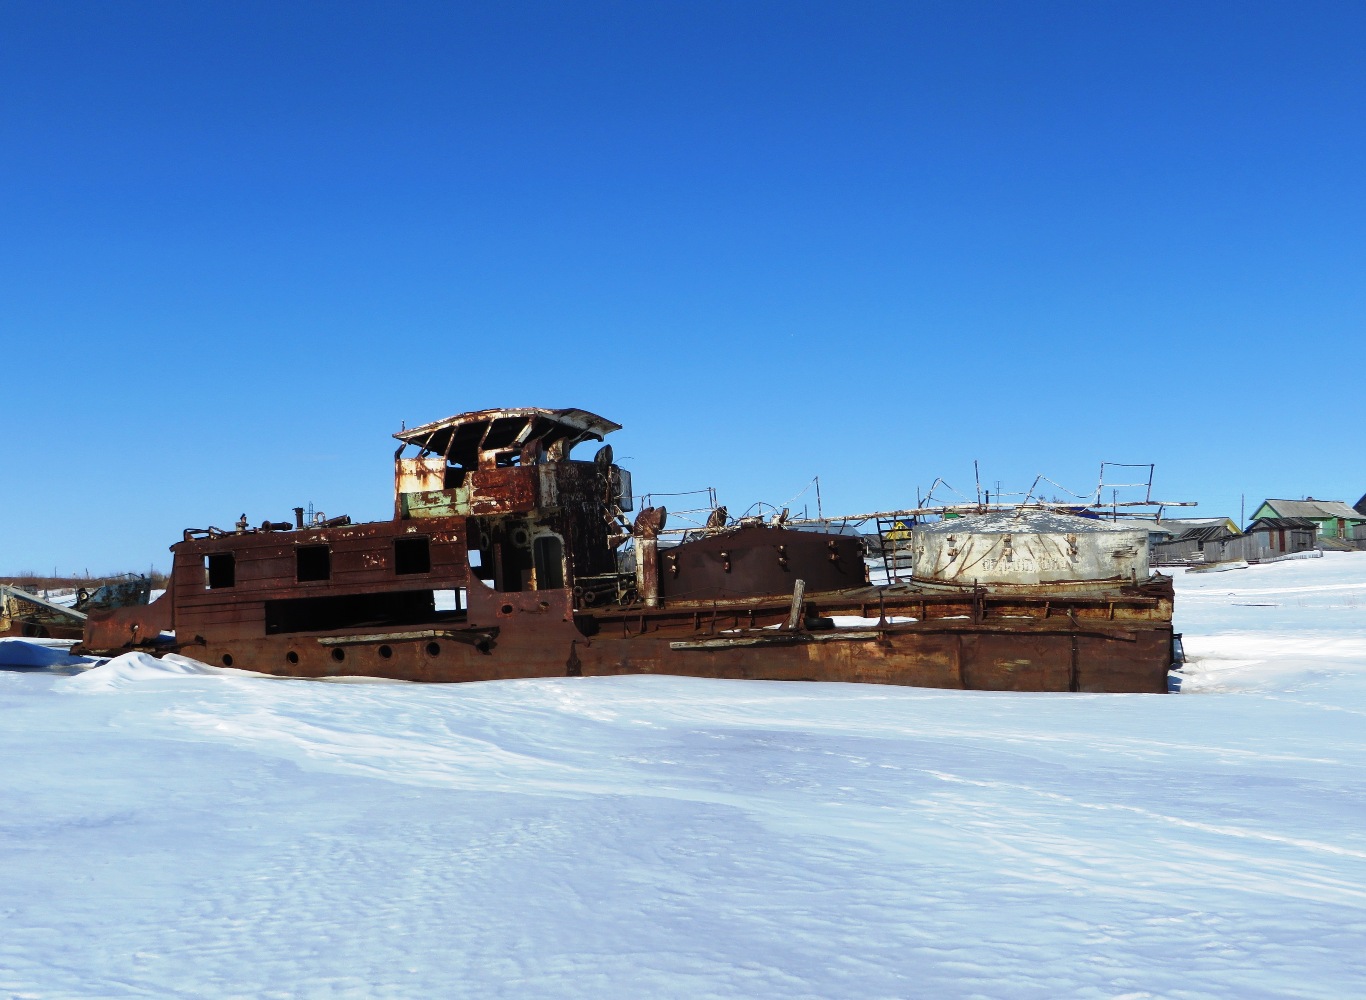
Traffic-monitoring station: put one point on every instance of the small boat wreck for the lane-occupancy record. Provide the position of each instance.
(507, 557)
(24, 614)
(29, 616)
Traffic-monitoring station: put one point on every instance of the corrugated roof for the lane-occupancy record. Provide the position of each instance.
(1176, 527)
(1283, 522)
(1318, 509)
(1207, 533)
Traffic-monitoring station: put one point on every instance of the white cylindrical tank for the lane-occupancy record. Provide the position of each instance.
(1021, 548)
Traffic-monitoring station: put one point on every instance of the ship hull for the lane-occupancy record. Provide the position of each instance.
(967, 657)
(1057, 637)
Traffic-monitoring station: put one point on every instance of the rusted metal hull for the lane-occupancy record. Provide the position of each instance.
(1115, 640)
(939, 656)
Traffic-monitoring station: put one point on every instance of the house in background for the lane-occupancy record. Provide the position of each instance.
(1168, 529)
(1266, 538)
(1194, 540)
(1332, 518)
(1274, 536)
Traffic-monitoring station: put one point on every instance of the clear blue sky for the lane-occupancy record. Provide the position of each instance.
(240, 243)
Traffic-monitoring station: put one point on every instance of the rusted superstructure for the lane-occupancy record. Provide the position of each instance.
(504, 559)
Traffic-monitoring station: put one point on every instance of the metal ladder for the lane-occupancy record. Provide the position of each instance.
(896, 536)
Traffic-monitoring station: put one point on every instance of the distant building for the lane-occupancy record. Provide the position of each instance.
(1274, 536)
(1332, 518)
(1167, 529)
(1219, 540)
(1185, 524)
(1182, 541)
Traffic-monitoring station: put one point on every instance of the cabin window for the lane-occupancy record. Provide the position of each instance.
(328, 613)
(477, 569)
(412, 555)
(313, 562)
(221, 570)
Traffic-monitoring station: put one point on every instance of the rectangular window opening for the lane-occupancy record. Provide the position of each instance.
(220, 570)
(376, 612)
(313, 562)
(548, 553)
(412, 555)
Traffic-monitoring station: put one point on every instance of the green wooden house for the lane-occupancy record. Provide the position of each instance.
(1333, 517)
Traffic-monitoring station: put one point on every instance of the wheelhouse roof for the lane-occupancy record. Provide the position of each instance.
(462, 437)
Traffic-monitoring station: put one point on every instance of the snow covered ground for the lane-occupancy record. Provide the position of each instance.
(174, 830)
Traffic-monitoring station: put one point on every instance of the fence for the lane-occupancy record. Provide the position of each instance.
(1256, 547)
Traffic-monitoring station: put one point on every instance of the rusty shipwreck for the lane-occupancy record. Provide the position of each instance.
(504, 558)
(24, 614)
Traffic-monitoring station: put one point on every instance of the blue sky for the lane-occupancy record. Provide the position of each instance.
(241, 243)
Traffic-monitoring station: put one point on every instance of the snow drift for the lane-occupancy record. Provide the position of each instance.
(174, 829)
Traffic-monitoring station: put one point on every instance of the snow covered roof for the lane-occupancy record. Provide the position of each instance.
(1317, 509)
(1025, 521)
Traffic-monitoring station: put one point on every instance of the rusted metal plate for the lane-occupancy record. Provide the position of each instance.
(121, 629)
(487, 491)
(760, 560)
(424, 474)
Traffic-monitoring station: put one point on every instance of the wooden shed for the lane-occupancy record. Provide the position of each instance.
(1273, 536)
